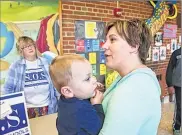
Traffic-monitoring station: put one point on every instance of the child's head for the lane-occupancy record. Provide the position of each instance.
(26, 47)
(72, 76)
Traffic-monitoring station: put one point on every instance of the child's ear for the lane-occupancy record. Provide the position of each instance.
(67, 92)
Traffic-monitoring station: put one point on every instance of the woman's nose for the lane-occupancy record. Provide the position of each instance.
(105, 45)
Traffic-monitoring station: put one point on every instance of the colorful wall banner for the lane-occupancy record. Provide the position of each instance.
(160, 15)
(89, 37)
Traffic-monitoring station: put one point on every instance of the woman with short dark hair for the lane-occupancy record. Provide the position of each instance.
(132, 103)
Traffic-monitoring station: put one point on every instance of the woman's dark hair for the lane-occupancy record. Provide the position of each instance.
(134, 32)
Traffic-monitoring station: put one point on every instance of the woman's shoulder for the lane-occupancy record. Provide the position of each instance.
(16, 64)
(141, 75)
(43, 61)
(139, 80)
(145, 76)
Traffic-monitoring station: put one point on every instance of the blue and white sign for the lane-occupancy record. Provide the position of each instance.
(16, 123)
(102, 57)
(95, 45)
(88, 45)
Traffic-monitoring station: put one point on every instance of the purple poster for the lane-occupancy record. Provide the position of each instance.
(170, 31)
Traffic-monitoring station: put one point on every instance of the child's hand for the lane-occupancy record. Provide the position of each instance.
(97, 99)
(100, 87)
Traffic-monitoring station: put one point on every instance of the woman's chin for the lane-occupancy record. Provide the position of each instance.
(108, 64)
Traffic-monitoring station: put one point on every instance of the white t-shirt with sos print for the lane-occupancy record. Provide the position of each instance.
(36, 85)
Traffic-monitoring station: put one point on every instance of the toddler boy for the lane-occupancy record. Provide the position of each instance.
(72, 77)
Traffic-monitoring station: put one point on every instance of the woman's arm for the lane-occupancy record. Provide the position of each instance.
(170, 67)
(10, 83)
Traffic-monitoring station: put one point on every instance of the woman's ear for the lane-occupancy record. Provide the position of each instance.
(134, 49)
(67, 92)
(20, 52)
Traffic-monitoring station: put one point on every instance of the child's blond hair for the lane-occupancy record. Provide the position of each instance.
(60, 69)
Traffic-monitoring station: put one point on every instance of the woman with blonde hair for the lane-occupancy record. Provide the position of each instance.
(31, 75)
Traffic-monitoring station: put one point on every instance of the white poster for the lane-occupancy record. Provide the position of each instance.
(158, 39)
(162, 53)
(14, 118)
(168, 46)
(155, 54)
(179, 39)
(173, 45)
(149, 54)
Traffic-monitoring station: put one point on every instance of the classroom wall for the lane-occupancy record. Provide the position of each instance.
(103, 11)
(20, 18)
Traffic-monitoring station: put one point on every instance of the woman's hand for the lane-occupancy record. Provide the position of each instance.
(97, 99)
(171, 90)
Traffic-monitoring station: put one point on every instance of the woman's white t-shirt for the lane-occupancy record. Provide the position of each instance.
(36, 86)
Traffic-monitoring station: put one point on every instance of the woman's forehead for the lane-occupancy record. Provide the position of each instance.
(24, 43)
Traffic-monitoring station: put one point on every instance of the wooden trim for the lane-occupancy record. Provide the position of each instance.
(178, 20)
(60, 27)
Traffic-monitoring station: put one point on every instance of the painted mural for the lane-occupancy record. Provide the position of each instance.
(28, 18)
(20, 10)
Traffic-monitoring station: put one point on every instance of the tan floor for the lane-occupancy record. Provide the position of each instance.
(165, 127)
